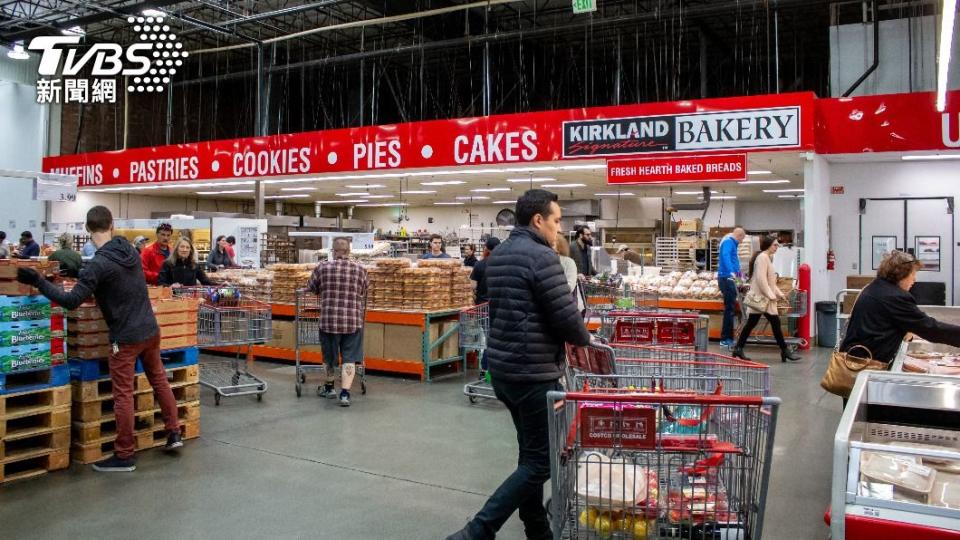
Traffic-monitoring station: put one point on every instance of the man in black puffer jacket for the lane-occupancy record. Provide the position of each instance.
(532, 314)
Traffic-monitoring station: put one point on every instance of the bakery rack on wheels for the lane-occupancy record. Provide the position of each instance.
(227, 318)
(630, 367)
(793, 310)
(896, 459)
(663, 328)
(307, 329)
(659, 464)
(474, 329)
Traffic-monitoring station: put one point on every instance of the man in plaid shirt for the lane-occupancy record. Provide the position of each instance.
(342, 287)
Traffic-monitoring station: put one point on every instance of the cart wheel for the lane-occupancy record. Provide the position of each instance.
(216, 399)
(299, 389)
(363, 388)
(259, 397)
(473, 399)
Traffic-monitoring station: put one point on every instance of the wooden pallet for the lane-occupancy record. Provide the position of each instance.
(143, 401)
(34, 465)
(103, 388)
(17, 447)
(106, 428)
(143, 440)
(13, 406)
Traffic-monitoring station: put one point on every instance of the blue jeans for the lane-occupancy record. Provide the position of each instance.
(333, 346)
(523, 490)
(729, 290)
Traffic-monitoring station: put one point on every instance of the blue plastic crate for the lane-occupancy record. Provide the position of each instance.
(92, 370)
(38, 379)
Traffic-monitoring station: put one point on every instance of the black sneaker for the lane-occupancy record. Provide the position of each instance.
(115, 464)
(327, 391)
(344, 398)
(174, 441)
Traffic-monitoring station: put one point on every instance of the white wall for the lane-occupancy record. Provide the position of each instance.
(756, 215)
(816, 209)
(873, 180)
(902, 68)
(22, 144)
(445, 218)
(130, 206)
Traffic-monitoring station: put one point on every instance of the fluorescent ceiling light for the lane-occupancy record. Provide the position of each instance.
(564, 185)
(747, 182)
(930, 157)
(443, 183)
(298, 189)
(377, 196)
(799, 190)
(472, 198)
(229, 191)
(789, 196)
(490, 189)
(723, 197)
(448, 203)
(365, 186)
(73, 31)
(440, 172)
(612, 194)
(693, 192)
(528, 180)
(273, 197)
(17, 53)
(382, 204)
(759, 172)
(153, 13)
(420, 192)
(504, 202)
(357, 194)
(342, 202)
(948, 13)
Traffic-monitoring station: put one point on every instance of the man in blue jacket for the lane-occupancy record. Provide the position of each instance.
(729, 268)
(532, 314)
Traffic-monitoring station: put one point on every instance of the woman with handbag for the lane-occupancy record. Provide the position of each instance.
(882, 316)
(762, 299)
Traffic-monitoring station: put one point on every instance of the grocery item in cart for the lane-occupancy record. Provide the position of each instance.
(904, 473)
(616, 483)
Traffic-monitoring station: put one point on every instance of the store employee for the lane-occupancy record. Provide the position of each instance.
(437, 250)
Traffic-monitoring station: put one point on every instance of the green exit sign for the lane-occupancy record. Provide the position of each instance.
(584, 6)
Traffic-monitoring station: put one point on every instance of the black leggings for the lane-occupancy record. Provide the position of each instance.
(752, 321)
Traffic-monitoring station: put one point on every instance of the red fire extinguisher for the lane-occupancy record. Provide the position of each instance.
(831, 260)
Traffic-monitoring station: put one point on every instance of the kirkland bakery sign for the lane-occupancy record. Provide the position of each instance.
(748, 129)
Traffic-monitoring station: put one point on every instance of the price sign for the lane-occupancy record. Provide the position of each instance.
(55, 187)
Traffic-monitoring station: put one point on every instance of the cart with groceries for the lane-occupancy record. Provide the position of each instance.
(227, 317)
(685, 454)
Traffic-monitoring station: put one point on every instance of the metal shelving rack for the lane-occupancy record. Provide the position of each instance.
(275, 249)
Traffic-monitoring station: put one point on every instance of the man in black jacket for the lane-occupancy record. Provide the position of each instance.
(115, 277)
(532, 314)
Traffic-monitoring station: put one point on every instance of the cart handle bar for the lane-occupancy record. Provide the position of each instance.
(666, 398)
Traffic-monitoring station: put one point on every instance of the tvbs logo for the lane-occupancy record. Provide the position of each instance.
(148, 64)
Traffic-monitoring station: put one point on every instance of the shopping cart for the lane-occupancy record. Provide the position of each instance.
(307, 328)
(659, 465)
(794, 309)
(474, 329)
(227, 318)
(663, 369)
(601, 298)
(682, 329)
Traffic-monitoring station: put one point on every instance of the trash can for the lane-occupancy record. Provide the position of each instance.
(826, 324)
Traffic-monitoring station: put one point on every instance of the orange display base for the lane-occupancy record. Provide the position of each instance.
(698, 305)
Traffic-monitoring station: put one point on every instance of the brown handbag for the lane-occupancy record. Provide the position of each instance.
(844, 368)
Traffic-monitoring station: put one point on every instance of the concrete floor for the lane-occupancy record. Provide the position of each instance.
(406, 461)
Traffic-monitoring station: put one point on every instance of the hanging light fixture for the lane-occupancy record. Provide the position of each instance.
(17, 53)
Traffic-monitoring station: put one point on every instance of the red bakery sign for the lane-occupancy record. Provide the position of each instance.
(677, 169)
(710, 126)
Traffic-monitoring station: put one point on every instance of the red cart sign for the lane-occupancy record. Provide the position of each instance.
(712, 168)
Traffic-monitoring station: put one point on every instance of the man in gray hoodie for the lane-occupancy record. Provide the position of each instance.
(115, 278)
